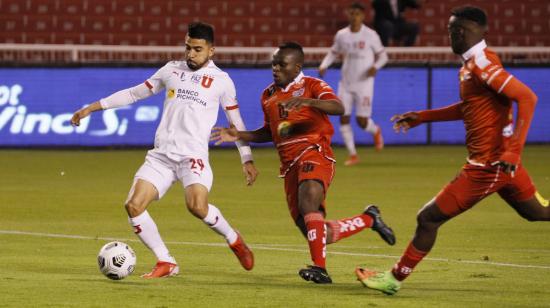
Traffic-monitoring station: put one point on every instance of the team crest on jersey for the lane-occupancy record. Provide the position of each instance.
(484, 76)
(298, 92)
(207, 81)
(360, 45)
(508, 130)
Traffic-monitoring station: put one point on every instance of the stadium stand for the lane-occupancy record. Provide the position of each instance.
(240, 23)
(111, 21)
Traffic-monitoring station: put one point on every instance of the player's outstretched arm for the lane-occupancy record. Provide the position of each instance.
(328, 106)
(84, 112)
(404, 122)
(230, 134)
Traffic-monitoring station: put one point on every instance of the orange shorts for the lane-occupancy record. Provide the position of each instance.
(313, 165)
(474, 183)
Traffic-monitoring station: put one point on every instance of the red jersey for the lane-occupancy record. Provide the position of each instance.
(298, 130)
(486, 112)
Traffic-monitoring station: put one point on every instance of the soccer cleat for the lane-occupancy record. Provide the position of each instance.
(378, 140)
(352, 160)
(315, 273)
(381, 281)
(243, 253)
(162, 269)
(378, 225)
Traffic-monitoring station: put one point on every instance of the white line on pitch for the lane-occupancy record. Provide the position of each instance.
(268, 247)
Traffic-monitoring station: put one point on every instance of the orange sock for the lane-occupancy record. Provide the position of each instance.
(316, 237)
(347, 227)
(410, 258)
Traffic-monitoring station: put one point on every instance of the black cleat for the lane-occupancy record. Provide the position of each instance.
(315, 273)
(378, 225)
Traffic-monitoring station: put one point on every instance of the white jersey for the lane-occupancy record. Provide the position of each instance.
(190, 107)
(358, 50)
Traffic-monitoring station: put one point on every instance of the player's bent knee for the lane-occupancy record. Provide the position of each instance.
(425, 220)
(134, 208)
(362, 122)
(344, 120)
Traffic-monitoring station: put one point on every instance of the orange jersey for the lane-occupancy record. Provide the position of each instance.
(486, 112)
(298, 130)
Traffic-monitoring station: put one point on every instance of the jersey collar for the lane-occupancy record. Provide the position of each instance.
(295, 81)
(474, 50)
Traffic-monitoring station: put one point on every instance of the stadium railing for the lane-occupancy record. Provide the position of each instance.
(62, 54)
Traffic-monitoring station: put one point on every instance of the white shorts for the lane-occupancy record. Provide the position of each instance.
(359, 95)
(162, 172)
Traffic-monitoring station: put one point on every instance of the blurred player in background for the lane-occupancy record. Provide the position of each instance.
(296, 109)
(195, 88)
(494, 145)
(363, 55)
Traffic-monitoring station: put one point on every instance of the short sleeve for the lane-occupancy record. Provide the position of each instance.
(156, 83)
(321, 90)
(228, 98)
(491, 74)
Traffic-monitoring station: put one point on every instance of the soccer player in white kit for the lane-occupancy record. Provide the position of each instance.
(363, 55)
(195, 88)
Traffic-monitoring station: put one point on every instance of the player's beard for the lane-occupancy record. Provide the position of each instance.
(194, 65)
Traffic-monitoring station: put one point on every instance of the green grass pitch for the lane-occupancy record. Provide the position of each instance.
(52, 226)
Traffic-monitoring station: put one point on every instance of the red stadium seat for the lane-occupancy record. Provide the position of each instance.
(266, 9)
(158, 39)
(38, 38)
(39, 23)
(101, 8)
(68, 38)
(99, 39)
(98, 24)
(126, 39)
(156, 24)
(242, 9)
(11, 23)
(127, 24)
(11, 37)
(13, 6)
(41, 7)
(70, 23)
(129, 8)
(73, 7)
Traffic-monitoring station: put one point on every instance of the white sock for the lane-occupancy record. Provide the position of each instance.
(147, 231)
(347, 135)
(215, 220)
(371, 127)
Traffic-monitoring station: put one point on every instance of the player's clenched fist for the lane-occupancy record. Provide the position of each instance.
(84, 112)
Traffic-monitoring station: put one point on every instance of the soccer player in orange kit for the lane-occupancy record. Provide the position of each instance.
(296, 109)
(494, 145)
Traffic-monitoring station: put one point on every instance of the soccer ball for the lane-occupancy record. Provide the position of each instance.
(116, 260)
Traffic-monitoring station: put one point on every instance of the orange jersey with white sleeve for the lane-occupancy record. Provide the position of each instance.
(487, 91)
(296, 131)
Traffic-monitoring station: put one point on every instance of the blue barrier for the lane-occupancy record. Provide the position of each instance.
(36, 104)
